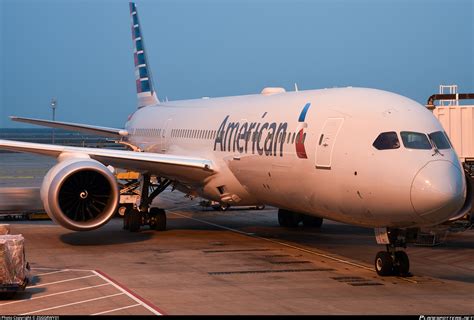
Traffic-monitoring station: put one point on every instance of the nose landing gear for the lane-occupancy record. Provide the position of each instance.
(396, 263)
(391, 261)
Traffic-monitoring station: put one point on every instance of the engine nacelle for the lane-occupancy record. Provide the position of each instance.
(80, 193)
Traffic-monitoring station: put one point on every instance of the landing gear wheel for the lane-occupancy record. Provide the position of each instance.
(383, 264)
(221, 207)
(402, 264)
(157, 219)
(391, 261)
(288, 219)
(126, 221)
(124, 208)
(134, 221)
(312, 222)
(125, 212)
(7, 295)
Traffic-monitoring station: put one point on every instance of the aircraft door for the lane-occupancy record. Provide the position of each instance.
(165, 135)
(326, 142)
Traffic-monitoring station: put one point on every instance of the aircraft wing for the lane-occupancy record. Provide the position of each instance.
(100, 131)
(181, 168)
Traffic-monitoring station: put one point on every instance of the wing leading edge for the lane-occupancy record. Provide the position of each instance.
(100, 131)
(181, 168)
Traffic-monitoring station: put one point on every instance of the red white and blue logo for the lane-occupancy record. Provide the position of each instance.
(300, 137)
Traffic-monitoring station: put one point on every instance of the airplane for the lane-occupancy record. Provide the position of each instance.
(360, 156)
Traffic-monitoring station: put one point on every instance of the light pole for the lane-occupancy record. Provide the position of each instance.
(54, 104)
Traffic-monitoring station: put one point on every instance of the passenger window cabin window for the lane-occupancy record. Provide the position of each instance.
(440, 140)
(387, 141)
(415, 140)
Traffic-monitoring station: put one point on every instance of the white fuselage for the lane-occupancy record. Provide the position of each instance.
(335, 173)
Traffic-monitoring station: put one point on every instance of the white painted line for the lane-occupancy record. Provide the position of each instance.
(73, 303)
(324, 255)
(55, 294)
(67, 280)
(253, 235)
(109, 311)
(215, 225)
(52, 272)
(131, 296)
(46, 269)
(279, 242)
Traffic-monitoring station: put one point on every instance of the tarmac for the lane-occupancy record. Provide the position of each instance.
(234, 262)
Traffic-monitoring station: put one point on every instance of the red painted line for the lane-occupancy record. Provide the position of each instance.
(131, 292)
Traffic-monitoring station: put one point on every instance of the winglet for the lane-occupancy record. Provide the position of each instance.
(146, 93)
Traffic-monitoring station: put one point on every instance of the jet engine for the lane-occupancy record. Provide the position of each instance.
(80, 193)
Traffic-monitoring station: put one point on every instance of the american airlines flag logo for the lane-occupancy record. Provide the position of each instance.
(299, 143)
(142, 78)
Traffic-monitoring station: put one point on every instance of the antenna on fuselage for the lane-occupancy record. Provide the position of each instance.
(296, 87)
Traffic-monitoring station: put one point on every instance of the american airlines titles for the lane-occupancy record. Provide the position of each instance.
(255, 137)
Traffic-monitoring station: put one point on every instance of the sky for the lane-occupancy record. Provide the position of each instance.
(80, 51)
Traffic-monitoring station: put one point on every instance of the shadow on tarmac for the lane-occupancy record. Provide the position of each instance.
(104, 237)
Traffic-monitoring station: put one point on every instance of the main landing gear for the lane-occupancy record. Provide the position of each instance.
(392, 262)
(289, 219)
(134, 218)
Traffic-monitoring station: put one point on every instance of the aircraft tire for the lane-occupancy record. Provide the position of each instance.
(157, 219)
(288, 219)
(126, 221)
(312, 222)
(383, 264)
(402, 267)
(126, 218)
(135, 221)
(7, 295)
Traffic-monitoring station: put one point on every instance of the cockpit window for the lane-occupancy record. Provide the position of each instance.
(415, 140)
(440, 140)
(387, 140)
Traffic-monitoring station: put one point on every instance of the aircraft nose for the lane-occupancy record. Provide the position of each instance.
(438, 191)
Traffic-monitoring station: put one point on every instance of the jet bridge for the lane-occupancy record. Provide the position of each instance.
(458, 121)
